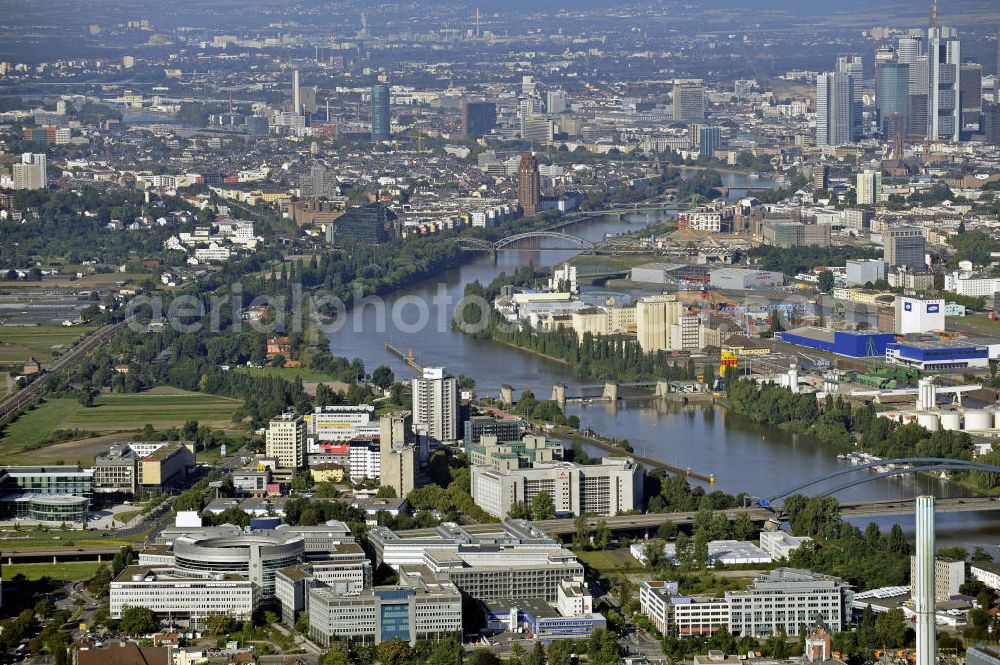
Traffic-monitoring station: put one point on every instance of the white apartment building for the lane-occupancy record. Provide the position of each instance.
(285, 440)
(365, 461)
(780, 544)
(613, 486)
(188, 595)
(340, 423)
(964, 283)
(948, 577)
(702, 221)
(30, 172)
(435, 404)
(986, 572)
(574, 599)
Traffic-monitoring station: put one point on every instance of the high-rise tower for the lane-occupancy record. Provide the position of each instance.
(380, 112)
(529, 185)
(296, 93)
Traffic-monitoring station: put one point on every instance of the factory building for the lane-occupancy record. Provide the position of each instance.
(743, 280)
(939, 354)
(855, 344)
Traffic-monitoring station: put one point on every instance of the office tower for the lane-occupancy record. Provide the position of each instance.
(397, 454)
(296, 93)
(924, 603)
(529, 185)
(555, 101)
(537, 128)
(689, 101)
(710, 140)
(884, 55)
(892, 91)
(435, 404)
(911, 52)
(904, 246)
(655, 317)
(30, 172)
(285, 441)
(821, 177)
(380, 112)
(478, 118)
(970, 93)
(833, 109)
(869, 187)
(894, 131)
(853, 66)
(991, 123)
(307, 99)
(943, 111)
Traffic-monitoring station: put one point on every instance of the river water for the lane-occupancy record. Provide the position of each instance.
(743, 456)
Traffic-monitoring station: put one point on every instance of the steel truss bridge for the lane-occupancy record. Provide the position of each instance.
(568, 240)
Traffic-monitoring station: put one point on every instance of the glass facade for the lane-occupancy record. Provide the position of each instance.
(395, 622)
(380, 112)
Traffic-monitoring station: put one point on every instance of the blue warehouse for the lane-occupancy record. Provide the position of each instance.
(939, 354)
(854, 344)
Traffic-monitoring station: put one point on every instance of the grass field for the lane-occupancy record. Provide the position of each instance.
(290, 373)
(607, 561)
(113, 413)
(70, 572)
(19, 343)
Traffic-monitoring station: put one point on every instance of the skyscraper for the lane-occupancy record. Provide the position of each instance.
(833, 109)
(911, 52)
(435, 404)
(478, 118)
(853, 66)
(380, 112)
(892, 91)
(285, 441)
(529, 185)
(943, 111)
(869, 187)
(991, 123)
(904, 246)
(555, 101)
(30, 172)
(689, 101)
(398, 457)
(296, 93)
(711, 140)
(970, 93)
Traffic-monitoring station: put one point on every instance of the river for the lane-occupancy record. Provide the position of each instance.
(744, 456)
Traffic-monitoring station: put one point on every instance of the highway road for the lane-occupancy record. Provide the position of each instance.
(19, 401)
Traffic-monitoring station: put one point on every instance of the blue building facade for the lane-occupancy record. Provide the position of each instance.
(854, 344)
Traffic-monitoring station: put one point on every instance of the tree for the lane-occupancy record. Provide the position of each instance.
(383, 377)
(543, 507)
(138, 621)
(386, 492)
(220, 624)
(394, 652)
(335, 656)
(825, 281)
(602, 535)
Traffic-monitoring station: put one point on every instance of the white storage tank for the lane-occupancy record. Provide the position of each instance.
(951, 420)
(978, 420)
(928, 421)
(996, 419)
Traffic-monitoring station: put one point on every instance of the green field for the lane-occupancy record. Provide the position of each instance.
(19, 343)
(115, 413)
(70, 572)
(608, 561)
(290, 373)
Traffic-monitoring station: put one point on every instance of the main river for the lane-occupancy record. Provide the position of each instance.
(744, 456)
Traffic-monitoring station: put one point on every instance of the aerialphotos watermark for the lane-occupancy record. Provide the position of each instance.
(299, 310)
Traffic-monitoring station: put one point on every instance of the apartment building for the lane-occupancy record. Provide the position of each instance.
(948, 577)
(435, 404)
(285, 441)
(608, 488)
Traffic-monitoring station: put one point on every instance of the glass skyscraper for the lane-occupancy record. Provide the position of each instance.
(892, 90)
(380, 112)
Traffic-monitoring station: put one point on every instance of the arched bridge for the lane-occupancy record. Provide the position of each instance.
(894, 467)
(480, 245)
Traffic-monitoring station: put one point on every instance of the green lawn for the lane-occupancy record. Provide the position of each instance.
(70, 572)
(19, 343)
(290, 373)
(607, 561)
(116, 413)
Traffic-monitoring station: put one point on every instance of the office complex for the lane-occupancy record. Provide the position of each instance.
(869, 187)
(949, 575)
(370, 224)
(677, 615)
(503, 429)
(689, 102)
(340, 423)
(380, 112)
(285, 441)
(515, 561)
(205, 571)
(904, 246)
(424, 611)
(520, 453)
(478, 118)
(833, 109)
(787, 598)
(398, 457)
(943, 92)
(529, 185)
(611, 487)
(30, 172)
(143, 468)
(970, 93)
(555, 102)
(435, 405)
(991, 123)
(853, 67)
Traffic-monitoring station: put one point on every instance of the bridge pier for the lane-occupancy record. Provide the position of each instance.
(559, 394)
(611, 391)
(662, 388)
(507, 394)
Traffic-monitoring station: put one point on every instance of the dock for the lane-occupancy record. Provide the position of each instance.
(405, 357)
